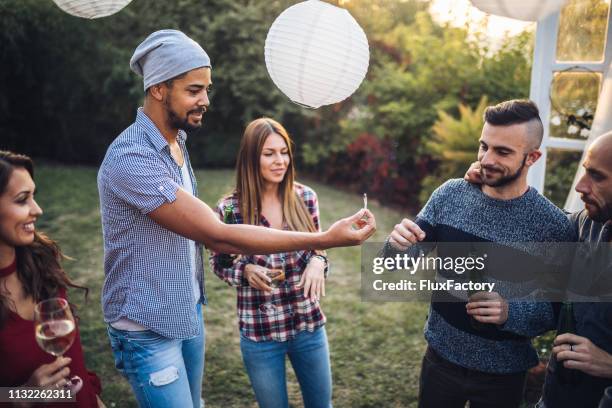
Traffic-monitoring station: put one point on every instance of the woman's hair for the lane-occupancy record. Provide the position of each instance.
(250, 182)
(39, 264)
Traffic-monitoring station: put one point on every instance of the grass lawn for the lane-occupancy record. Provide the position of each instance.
(375, 348)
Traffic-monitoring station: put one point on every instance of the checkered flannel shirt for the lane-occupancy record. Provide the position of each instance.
(291, 312)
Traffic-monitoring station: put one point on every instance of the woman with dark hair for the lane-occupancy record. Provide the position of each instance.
(278, 295)
(31, 272)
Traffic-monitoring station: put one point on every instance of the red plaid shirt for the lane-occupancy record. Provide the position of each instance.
(281, 314)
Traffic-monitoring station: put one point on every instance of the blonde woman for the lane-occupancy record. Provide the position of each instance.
(278, 295)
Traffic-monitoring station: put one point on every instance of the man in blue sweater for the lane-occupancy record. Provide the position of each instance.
(589, 349)
(462, 363)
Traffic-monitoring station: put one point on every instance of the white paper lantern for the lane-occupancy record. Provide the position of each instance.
(316, 53)
(527, 10)
(91, 8)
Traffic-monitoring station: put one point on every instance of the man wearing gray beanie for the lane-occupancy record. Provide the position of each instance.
(155, 227)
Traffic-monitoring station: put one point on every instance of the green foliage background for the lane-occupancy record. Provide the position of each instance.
(66, 90)
(454, 143)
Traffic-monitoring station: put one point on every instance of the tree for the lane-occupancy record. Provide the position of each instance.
(454, 145)
(68, 90)
(418, 69)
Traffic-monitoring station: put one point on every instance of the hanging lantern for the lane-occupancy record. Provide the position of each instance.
(527, 10)
(91, 8)
(316, 53)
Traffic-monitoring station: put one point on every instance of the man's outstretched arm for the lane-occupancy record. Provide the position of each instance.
(193, 219)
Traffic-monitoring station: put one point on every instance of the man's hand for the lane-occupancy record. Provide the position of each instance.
(53, 375)
(342, 233)
(473, 174)
(488, 307)
(257, 278)
(579, 353)
(405, 234)
(313, 279)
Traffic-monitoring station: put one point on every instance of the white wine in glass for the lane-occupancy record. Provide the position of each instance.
(56, 330)
(56, 336)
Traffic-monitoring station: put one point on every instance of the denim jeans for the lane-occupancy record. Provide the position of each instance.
(309, 356)
(163, 372)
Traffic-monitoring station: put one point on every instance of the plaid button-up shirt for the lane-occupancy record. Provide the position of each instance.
(281, 314)
(148, 273)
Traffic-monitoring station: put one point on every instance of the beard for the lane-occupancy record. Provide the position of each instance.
(601, 214)
(505, 179)
(178, 122)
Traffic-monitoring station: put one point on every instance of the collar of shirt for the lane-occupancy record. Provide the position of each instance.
(264, 222)
(153, 133)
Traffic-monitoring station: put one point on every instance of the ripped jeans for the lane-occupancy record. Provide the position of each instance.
(163, 372)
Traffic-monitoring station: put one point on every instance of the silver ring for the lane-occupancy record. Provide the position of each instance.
(571, 347)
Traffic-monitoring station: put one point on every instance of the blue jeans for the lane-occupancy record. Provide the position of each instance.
(163, 372)
(309, 356)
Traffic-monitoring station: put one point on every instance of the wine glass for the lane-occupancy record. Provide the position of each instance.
(276, 272)
(55, 331)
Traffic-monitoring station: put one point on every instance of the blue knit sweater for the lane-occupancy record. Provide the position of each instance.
(460, 212)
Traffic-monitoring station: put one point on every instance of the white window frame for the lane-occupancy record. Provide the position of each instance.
(544, 66)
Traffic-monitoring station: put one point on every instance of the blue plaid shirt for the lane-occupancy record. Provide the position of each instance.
(148, 276)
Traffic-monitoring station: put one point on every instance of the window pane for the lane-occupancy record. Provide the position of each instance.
(573, 101)
(561, 167)
(582, 30)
